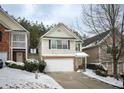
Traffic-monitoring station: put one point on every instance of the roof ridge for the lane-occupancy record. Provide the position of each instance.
(95, 38)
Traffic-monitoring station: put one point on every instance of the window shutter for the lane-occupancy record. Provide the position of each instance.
(0, 36)
(68, 44)
(49, 44)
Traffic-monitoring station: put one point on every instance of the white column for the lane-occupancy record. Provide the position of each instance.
(11, 58)
(26, 46)
(123, 67)
(85, 63)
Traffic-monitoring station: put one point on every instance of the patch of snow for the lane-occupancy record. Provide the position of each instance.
(32, 61)
(78, 70)
(15, 78)
(81, 54)
(108, 79)
(13, 62)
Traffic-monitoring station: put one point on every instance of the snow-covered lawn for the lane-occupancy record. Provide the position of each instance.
(109, 80)
(14, 78)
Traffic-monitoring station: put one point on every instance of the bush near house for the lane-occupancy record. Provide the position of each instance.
(30, 65)
(1, 63)
(17, 65)
(101, 73)
(33, 65)
(42, 65)
(98, 68)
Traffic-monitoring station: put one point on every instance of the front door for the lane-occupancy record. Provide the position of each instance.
(19, 57)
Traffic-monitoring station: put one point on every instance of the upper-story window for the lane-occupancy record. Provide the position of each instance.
(77, 46)
(0, 36)
(60, 44)
(18, 40)
(18, 37)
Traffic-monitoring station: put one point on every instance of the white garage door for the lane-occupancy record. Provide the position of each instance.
(56, 65)
(3, 56)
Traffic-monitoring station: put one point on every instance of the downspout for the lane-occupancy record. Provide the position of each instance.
(99, 54)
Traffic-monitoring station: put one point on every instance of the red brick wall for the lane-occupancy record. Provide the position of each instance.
(4, 44)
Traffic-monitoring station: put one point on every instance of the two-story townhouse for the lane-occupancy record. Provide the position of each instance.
(13, 39)
(99, 52)
(60, 48)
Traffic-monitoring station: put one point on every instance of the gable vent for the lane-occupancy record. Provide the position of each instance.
(59, 30)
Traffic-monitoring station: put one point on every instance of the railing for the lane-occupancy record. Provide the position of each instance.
(18, 44)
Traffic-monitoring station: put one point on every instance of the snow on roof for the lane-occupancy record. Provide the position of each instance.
(81, 54)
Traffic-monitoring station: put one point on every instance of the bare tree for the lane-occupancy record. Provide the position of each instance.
(107, 17)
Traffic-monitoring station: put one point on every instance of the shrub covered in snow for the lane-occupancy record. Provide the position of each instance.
(42, 66)
(98, 68)
(31, 65)
(1, 63)
(101, 73)
(17, 65)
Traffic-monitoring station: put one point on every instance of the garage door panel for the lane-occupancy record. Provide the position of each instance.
(55, 65)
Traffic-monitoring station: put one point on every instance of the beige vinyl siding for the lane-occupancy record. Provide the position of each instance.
(60, 32)
(46, 50)
(93, 54)
(7, 21)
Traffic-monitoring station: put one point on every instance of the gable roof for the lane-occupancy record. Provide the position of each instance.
(12, 19)
(78, 35)
(67, 29)
(96, 38)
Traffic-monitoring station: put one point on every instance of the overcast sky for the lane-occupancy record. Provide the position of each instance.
(47, 13)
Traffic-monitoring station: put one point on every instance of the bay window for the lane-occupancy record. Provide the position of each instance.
(18, 40)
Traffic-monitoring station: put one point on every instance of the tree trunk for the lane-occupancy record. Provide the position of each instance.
(115, 72)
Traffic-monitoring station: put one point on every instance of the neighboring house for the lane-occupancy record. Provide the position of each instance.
(98, 52)
(13, 39)
(60, 48)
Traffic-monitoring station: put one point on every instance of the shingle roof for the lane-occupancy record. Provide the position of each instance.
(95, 38)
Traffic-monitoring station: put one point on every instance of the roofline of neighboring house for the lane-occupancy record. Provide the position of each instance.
(83, 48)
(13, 20)
(86, 47)
(4, 25)
(3, 11)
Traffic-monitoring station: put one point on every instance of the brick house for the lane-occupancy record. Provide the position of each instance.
(13, 39)
(100, 53)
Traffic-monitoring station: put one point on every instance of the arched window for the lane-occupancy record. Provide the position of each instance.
(0, 36)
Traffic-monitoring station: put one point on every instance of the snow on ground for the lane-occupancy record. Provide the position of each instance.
(13, 62)
(108, 79)
(14, 78)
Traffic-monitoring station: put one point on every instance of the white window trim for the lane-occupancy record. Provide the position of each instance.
(18, 37)
(18, 41)
(76, 48)
(56, 44)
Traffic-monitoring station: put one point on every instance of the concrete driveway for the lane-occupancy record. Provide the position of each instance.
(77, 80)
